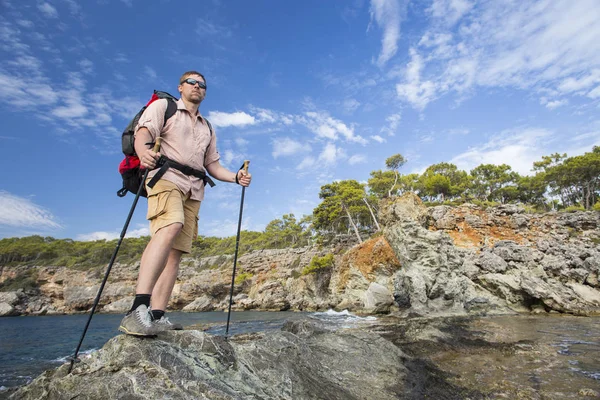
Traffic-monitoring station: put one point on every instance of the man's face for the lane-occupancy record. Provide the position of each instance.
(192, 93)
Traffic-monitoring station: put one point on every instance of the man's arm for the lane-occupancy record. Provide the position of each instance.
(216, 170)
(144, 152)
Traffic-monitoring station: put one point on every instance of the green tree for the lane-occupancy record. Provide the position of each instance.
(342, 208)
(394, 163)
(444, 180)
(380, 182)
(494, 183)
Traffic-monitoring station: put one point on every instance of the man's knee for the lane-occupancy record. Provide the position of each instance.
(170, 230)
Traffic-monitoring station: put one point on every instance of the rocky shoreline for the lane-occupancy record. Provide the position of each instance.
(391, 358)
(428, 261)
(442, 280)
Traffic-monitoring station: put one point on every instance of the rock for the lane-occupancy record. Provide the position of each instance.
(474, 220)
(7, 310)
(491, 262)
(301, 362)
(588, 393)
(80, 297)
(201, 304)
(378, 299)
(119, 306)
(11, 298)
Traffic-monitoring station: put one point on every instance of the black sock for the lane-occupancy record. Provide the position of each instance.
(157, 314)
(139, 300)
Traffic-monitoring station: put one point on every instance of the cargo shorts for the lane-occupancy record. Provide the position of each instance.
(168, 205)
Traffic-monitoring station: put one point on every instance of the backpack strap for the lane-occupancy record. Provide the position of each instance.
(209, 127)
(170, 111)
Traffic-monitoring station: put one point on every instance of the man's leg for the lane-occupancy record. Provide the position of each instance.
(164, 286)
(166, 216)
(166, 282)
(155, 259)
(138, 321)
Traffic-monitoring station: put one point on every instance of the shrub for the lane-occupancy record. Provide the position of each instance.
(318, 263)
(26, 281)
(596, 206)
(241, 278)
(573, 209)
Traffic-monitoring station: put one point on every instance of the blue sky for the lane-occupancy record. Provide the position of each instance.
(309, 91)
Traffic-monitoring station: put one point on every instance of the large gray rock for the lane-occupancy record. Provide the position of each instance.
(203, 303)
(378, 299)
(7, 310)
(559, 271)
(301, 362)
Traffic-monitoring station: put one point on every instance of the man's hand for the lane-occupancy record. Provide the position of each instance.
(244, 178)
(149, 158)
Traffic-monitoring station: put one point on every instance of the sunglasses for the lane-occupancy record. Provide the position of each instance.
(192, 82)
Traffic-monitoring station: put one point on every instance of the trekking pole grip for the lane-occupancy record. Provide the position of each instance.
(156, 148)
(245, 168)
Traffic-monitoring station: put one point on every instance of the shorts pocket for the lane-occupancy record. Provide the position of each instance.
(157, 204)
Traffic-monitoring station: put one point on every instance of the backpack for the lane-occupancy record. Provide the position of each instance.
(130, 169)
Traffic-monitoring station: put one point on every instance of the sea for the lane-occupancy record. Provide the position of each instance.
(32, 344)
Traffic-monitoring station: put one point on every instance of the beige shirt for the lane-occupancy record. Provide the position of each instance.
(186, 139)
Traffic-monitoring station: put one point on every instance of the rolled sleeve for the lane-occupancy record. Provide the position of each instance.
(153, 118)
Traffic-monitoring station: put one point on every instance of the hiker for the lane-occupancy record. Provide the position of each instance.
(174, 200)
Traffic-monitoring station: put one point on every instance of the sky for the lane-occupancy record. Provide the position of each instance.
(309, 91)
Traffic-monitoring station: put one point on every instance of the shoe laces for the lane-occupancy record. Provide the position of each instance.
(163, 321)
(142, 315)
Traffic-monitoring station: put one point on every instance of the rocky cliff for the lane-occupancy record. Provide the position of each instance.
(436, 260)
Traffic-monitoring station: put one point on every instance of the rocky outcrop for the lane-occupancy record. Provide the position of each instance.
(436, 260)
(300, 362)
(468, 260)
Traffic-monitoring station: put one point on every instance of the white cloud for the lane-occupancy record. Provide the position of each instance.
(223, 119)
(350, 105)
(517, 148)
(287, 147)
(386, 14)
(524, 45)
(416, 92)
(241, 142)
(23, 213)
(357, 159)
(574, 84)
(378, 138)
(450, 10)
(594, 94)
(324, 126)
(555, 104)
(86, 65)
(307, 163)
(89, 237)
(150, 73)
(48, 10)
(331, 154)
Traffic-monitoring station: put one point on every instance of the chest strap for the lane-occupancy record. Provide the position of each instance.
(164, 163)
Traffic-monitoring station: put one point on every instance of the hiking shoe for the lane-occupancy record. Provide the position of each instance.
(138, 323)
(163, 324)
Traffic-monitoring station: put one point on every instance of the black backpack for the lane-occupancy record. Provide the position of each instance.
(130, 170)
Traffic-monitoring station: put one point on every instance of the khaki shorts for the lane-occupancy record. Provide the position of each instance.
(168, 205)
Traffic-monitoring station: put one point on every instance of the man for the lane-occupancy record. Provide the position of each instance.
(174, 200)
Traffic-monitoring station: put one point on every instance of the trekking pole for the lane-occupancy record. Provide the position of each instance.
(73, 359)
(237, 243)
